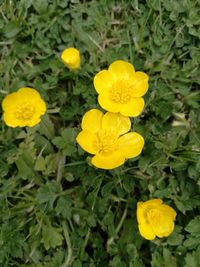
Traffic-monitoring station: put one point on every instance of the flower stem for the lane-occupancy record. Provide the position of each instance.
(67, 262)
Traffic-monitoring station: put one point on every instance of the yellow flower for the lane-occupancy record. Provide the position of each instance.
(71, 58)
(120, 88)
(155, 219)
(105, 136)
(23, 108)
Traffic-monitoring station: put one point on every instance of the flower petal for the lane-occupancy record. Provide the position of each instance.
(140, 84)
(107, 104)
(103, 81)
(131, 144)
(164, 228)
(146, 231)
(116, 122)
(109, 161)
(143, 206)
(10, 101)
(92, 120)
(28, 93)
(167, 211)
(121, 69)
(71, 58)
(10, 119)
(133, 108)
(87, 141)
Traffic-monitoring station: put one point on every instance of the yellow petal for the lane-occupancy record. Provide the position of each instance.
(121, 69)
(131, 144)
(133, 108)
(103, 81)
(10, 120)
(107, 104)
(152, 202)
(142, 207)
(32, 122)
(164, 227)
(109, 161)
(10, 101)
(28, 93)
(40, 108)
(87, 141)
(167, 211)
(140, 213)
(146, 231)
(116, 122)
(71, 58)
(92, 120)
(140, 84)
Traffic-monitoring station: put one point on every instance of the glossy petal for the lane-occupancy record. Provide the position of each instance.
(92, 120)
(140, 84)
(10, 101)
(133, 108)
(108, 162)
(41, 108)
(121, 69)
(71, 58)
(107, 104)
(10, 119)
(164, 228)
(87, 141)
(146, 231)
(103, 81)
(30, 123)
(131, 144)
(143, 206)
(116, 122)
(167, 211)
(27, 93)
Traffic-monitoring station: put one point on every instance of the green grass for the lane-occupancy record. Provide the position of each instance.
(56, 210)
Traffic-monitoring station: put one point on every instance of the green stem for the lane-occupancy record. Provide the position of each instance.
(68, 260)
(92, 208)
(111, 239)
(61, 164)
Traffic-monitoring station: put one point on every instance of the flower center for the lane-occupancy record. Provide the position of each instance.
(106, 142)
(121, 92)
(24, 111)
(154, 216)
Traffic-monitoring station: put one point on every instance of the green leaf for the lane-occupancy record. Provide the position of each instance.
(40, 6)
(40, 164)
(66, 142)
(193, 227)
(51, 237)
(63, 207)
(46, 127)
(48, 193)
(12, 29)
(175, 238)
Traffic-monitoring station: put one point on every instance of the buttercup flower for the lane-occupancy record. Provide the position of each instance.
(121, 88)
(155, 219)
(71, 58)
(105, 136)
(23, 108)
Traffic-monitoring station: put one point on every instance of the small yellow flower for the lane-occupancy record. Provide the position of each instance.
(71, 58)
(23, 108)
(155, 219)
(105, 136)
(120, 88)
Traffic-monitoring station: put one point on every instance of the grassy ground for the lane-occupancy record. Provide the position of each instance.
(56, 210)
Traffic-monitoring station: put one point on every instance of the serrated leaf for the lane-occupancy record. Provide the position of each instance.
(63, 207)
(48, 193)
(51, 237)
